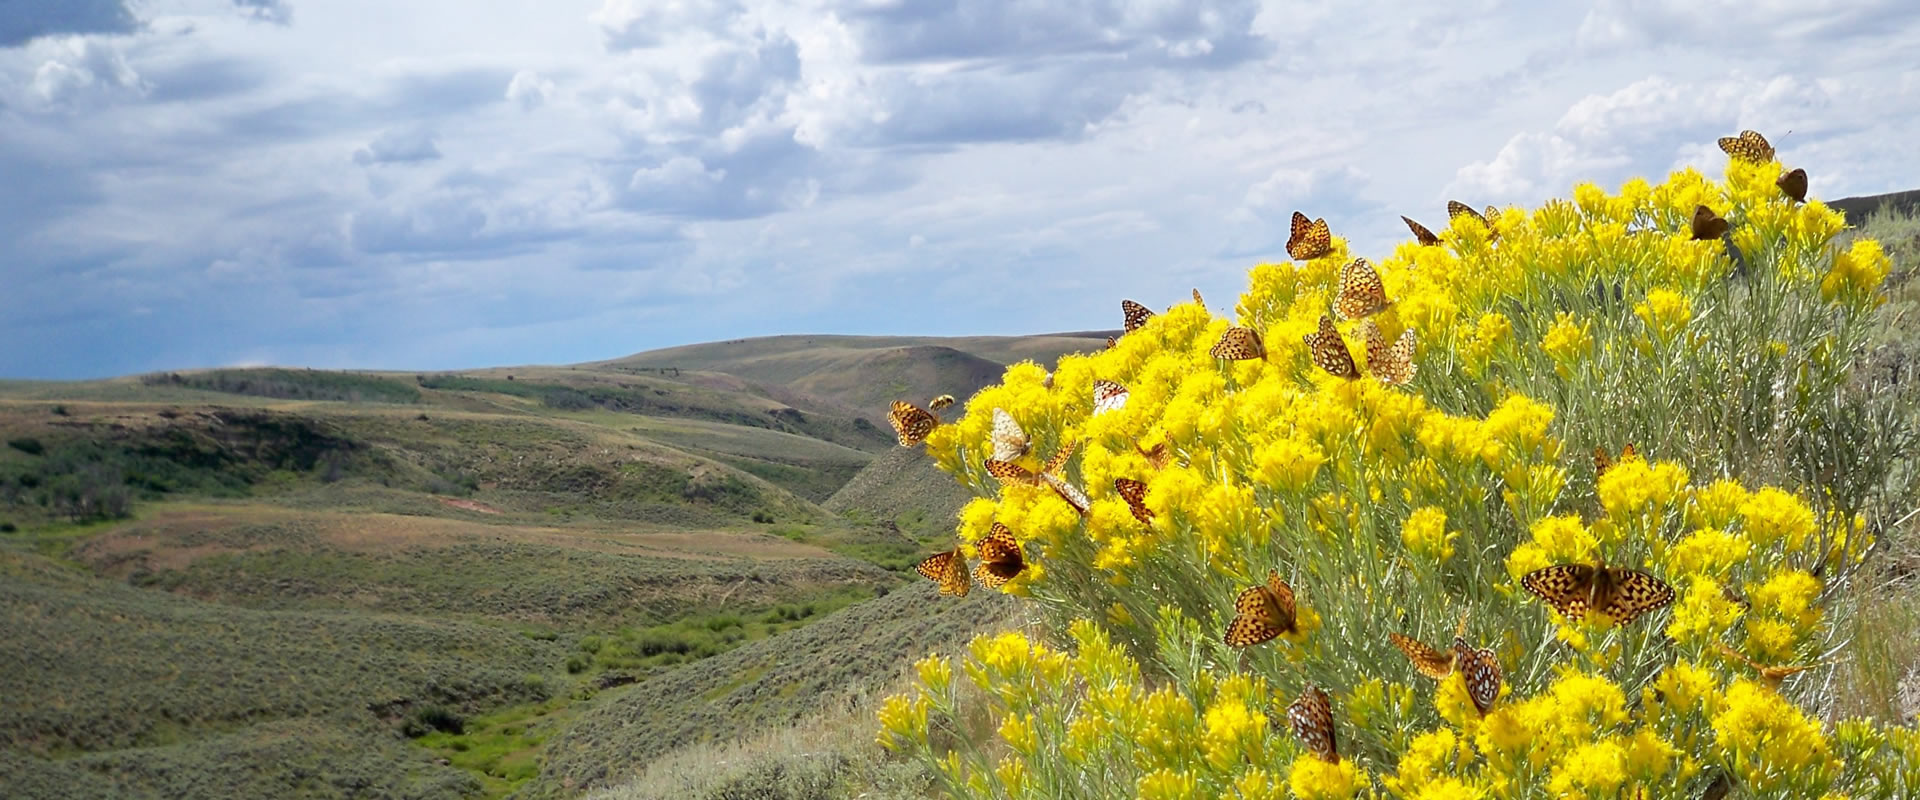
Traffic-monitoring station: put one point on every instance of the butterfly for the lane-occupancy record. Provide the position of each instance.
(1772, 675)
(1457, 209)
(1420, 233)
(1428, 661)
(1136, 315)
(912, 423)
(1748, 146)
(1159, 456)
(1009, 439)
(1602, 462)
(1108, 396)
(1239, 344)
(1330, 350)
(1112, 343)
(1135, 493)
(1262, 612)
(1619, 593)
(1708, 226)
(1196, 298)
(1000, 557)
(940, 402)
(1068, 492)
(1794, 185)
(1307, 241)
(1481, 671)
(1311, 717)
(1007, 470)
(1361, 293)
(949, 569)
(1392, 364)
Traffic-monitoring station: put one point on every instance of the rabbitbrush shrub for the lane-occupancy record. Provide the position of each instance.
(1765, 470)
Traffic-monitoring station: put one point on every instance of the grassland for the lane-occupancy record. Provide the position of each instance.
(284, 582)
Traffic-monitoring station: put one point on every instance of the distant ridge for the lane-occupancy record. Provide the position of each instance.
(1858, 209)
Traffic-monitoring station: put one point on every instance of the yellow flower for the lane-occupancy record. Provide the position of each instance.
(1425, 533)
(1772, 517)
(1166, 784)
(1564, 539)
(1716, 505)
(1638, 487)
(1314, 779)
(1856, 275)
(1789, 594)
(1012, 775)
(1596, 767)
(1288, 463)
(1017, 731)
(1703, 612)
(1428, 756)
(1567, 341)
(903, 718)
(1665, 312)
(1778, 745)
(1707, 551)
(1649, 757)
(936, 673)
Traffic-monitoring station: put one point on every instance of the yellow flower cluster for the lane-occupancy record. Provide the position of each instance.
(1448, 505)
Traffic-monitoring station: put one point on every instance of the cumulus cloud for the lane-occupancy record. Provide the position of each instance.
(641, 24)
(78, 65)
(529, 90)
(22, 21)
(398, 147)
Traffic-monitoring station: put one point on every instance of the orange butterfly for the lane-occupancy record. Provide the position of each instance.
(1136, 315)
(1112, 343)
(1196, 298)
(1708, 226)
(1329, 350)
(1794, 185)
(1393, 365)
(911, 423)
(1307, 241)
(1771, 675)
(949, 569)
(1160, 456)
(1239, 344)
(1311, 717)
(1619, 593)
(1457, 209)
(1068, 492)
(1262, 612)
(1361, 292)
(1428, 661)
(1749, 146)
(1420, 233)
(1108, 396)
(1009, 471)
(1001, 559)
(1135, 493)
(1008, 438)
(1482, 673)
(1602, 462)
(940, 402)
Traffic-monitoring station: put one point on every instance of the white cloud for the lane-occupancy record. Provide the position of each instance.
(398, 147)
(77, 64)
(529, 90)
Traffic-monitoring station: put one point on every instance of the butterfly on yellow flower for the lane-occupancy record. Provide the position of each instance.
(1239, 344)
(1620, 594)
(1311, 717)
(1112, 343)
(1420, 233)
(1008, 438)
(1262, 613)
(941, 402)
(1457, 209)
(1392, 364)
(1196, 298)
(1361, 292)
(1108, 396)
(1135, 315)
(1481, 670)
(1428, 661)
(1135, 493)
(1708, 226)
(1001, 558)
(1794, 185)
(1308, 240)
(1068, 492)
(1749, 146)
(1329, 350)
(1160, 455)
(949, 570)
(911, 423)
(1772, 675)
(1602, 462)
(1006, 470)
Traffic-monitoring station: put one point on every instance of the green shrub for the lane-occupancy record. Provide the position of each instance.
(28, 445)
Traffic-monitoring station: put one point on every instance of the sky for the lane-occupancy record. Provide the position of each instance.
(445, 184)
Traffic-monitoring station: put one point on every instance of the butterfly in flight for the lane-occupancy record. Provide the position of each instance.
(1108, 396)
(1306, 240)
(1006, 470)
(1160, 455)
(1135, 493)
(1068, 492)
(1602, 462)
(911, 423)
(1749, 146)
(949, 569)
(1428, 661)
(1000, 557)
(1794, 185)
(1239, 344)
(1420, 233)
(1361, 292)
(1481, 670)
(1771, 675)
(1009, 439)
(1329, 350)
(1136, 315)
(1708, 226)
(940, 402)
(1311, 717)
(1392, 364)
(1619, 593)
(1262, 612)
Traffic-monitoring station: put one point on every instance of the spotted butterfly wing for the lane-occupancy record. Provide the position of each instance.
(949, 569)
(912, 423)
(1361, 292)
(1420, 233)
(1457, 209)
(1239, 344)
(1136, 315)
(1794, 185)
(1009, 471)
(1059, 460)
(1481, 670)
(1392, 364)
(1008, 438)
(1771, 674)
(1602, 462)
(1135, 493)
(940, 402)
(1159, 456)
(1329, 350)
(1112, 343)
(1430, 662)
(1000, 557)
(1621, 594)
(1708, 226)
(1749, 146)
(1108, 396)
(1196, 298)
(1306, 240)
(1311, 717)
(1068, 492)
(1262, 613)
